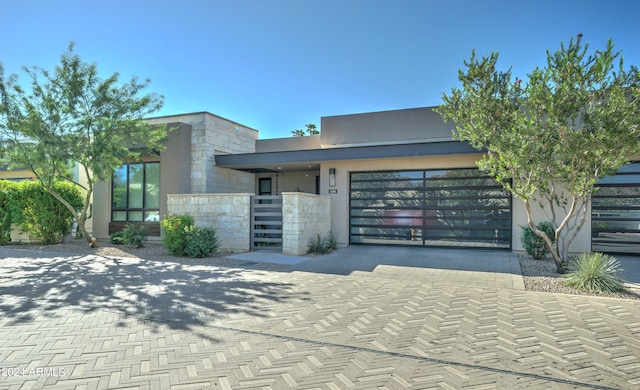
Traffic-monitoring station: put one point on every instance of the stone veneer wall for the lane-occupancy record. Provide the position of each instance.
(304, 217)
(229, 214)
(211, 134)
(220, 136)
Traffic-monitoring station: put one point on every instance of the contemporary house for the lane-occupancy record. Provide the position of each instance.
(392, 178)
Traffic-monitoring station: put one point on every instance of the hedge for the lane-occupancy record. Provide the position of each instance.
(36, 211)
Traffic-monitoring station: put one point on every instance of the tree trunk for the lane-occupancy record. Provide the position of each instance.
(80, 218)
(552, 248)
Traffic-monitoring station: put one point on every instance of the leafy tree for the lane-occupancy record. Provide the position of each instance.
(549, 139)
(72, 117)
(311, 129)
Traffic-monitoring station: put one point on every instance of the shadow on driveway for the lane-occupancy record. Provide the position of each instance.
(181, 295)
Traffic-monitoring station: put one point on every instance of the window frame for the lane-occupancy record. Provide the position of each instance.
(129, 211)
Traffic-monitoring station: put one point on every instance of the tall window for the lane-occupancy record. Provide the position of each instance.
(136, 193)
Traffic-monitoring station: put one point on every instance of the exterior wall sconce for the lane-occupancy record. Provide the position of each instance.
(332, 177)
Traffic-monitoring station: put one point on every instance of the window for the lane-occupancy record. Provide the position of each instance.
(136, 193)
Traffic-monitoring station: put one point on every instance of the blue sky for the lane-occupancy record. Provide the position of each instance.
(275, 65)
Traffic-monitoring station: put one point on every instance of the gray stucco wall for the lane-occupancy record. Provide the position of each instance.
(290, 143)
(385, 127)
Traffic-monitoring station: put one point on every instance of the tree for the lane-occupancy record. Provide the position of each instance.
(72, 118)
(310, 130)
(549, 139)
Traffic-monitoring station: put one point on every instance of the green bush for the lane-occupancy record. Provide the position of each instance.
(40, 214)
(322, 245)
(174, 233)
(8, 192)
(133, 235)
(200, 242)
(116, 238)
(534, 244)
(332, 242)
(595, 272)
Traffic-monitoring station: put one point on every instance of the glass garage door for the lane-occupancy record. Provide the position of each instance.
(455, 207)
(615, 212)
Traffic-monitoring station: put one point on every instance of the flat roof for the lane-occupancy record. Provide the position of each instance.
(301, 160)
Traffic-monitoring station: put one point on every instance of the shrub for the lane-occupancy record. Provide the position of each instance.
(534, 244)
(595, 272)
(42, 215)
(332, 242)
(317, 245)
(200, 242)
(116, 238)
(174, 233)
(322, 246)
(7, 194)
(134, 235)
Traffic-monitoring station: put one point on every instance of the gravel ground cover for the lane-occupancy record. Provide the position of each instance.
(538, 275)
(541, 275)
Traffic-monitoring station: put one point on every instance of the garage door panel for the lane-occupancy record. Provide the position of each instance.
(435, 207)
(615, 212)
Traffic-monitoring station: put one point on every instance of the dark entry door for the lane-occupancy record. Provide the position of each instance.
(264, 186)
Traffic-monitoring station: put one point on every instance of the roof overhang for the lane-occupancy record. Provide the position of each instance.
(309, 160)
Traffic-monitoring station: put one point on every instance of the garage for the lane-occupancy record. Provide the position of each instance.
(450, 207)
(615, 212)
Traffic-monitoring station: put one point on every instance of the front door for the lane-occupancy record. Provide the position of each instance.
(264, 186)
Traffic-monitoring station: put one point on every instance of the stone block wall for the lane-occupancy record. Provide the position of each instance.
(212, 134)
(17, 236)
(224, 136)
(228, 213)
(304, 217)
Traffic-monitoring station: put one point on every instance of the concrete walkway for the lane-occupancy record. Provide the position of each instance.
(335, 322)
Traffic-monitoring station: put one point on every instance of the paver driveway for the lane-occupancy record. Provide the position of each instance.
(91, 322)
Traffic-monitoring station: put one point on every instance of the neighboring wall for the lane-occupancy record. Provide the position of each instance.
(229, 214)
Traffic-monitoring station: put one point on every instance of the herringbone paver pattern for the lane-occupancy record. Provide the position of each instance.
(94, 323)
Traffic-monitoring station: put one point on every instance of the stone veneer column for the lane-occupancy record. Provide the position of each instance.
(304, 217)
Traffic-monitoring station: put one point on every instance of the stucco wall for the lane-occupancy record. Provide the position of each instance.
(289, 143)
(582, 242)
(304, 216)
(385, 127)
(289, 182)
(229, 214)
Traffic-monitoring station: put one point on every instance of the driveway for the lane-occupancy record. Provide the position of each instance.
(89, 322)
